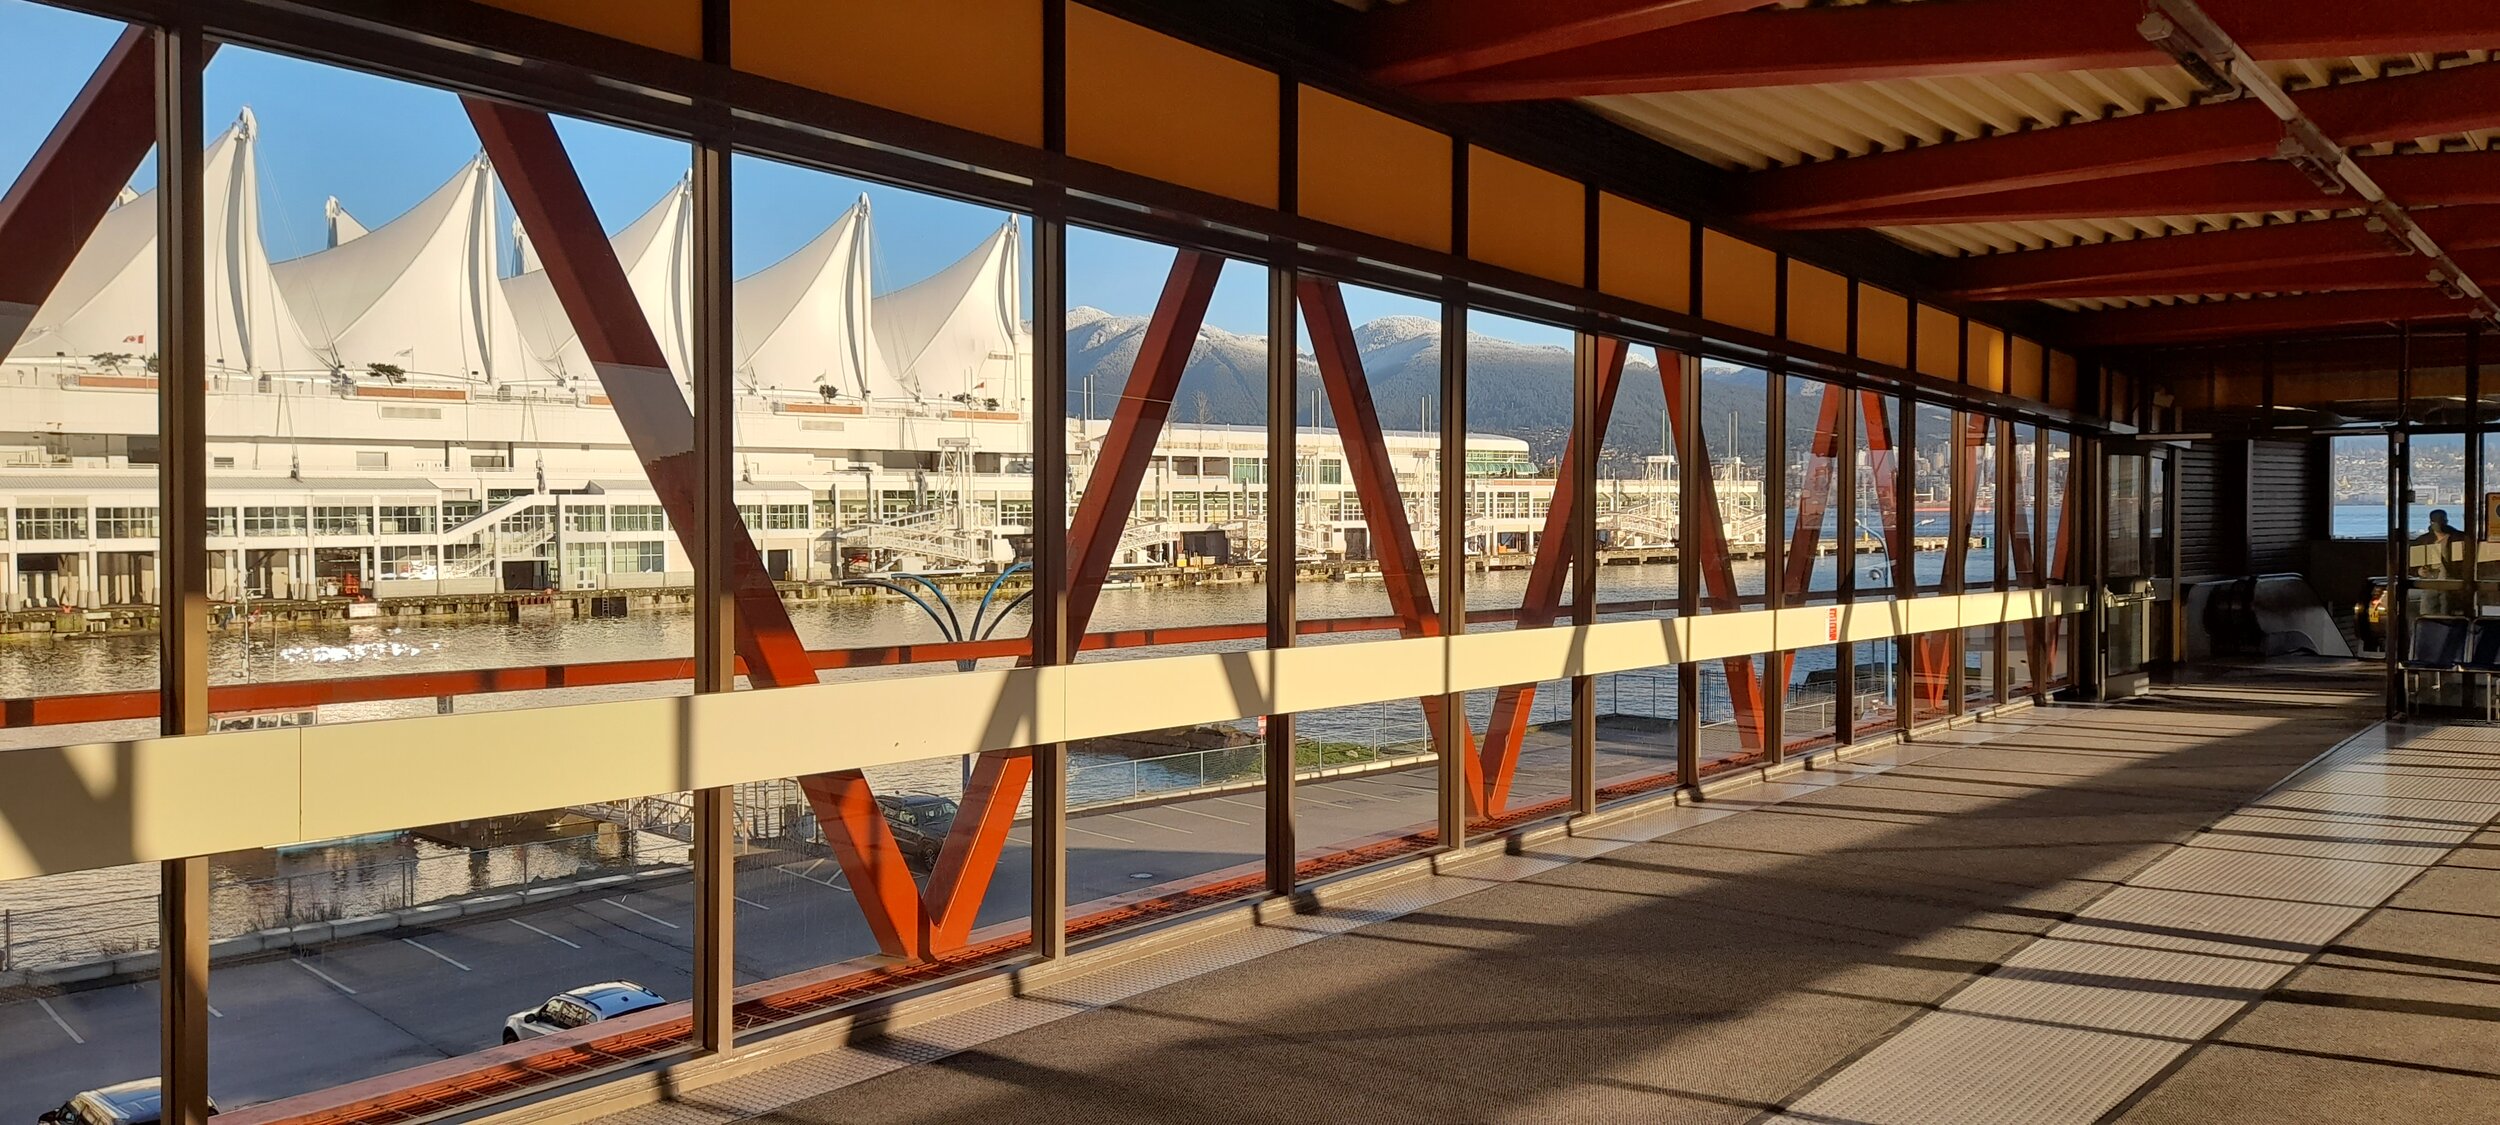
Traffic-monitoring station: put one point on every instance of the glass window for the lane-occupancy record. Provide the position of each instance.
(51, 523)
(2357, 486)
(342, 521)
(585, 519)
(1638, 522)
(638, 556)
(125, 523)
(407, 519)
(637, 517)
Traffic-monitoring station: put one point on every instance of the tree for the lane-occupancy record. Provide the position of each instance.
(391, 372)
(111, 361)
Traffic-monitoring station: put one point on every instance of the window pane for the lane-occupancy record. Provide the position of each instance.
(78, 405)
(2357, 468)
(1638, 524)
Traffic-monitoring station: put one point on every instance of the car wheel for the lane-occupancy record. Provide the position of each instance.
(510, 1037)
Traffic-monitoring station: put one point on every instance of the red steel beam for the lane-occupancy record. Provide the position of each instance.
(1813, 504)
(2422, 179)
(1128, 444)
(1881, 42)
(2430, 103)
(547, 194)
(1506, 729)
(2132, 265)
(1706, 536)
(1392, 538)
(2384, 272)
(2216, 320)
(63, 192)
(1419, 42)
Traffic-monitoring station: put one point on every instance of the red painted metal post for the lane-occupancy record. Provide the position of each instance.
(547, 194)
(1507, 728)
(1706, 536)
(1806, 538)
(1376, 484)
(54, 205)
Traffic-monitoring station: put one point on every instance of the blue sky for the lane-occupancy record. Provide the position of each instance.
(380, 146)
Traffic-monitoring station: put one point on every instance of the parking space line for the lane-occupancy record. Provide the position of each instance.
(438, 954)
(1208, 815)
(333, 981)
(630, 910)
(1104, 835)
(1230, 801)
(74, 1037)
(752, 902)
(212, 1010)
(540, 932)
(1145, 823)
(835, 881)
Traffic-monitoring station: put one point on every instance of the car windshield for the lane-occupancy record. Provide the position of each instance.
(565, 1013)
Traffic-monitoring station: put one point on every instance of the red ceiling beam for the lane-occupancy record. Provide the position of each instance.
(1877, 42)
(2455, 100)
(2219, 320)
(2427, 179)
(2155, 266)
(1438, 38)
(2387, 271)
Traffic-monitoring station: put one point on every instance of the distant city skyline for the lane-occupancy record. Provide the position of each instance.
(379, 146)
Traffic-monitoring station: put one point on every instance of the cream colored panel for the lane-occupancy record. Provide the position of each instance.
(753, 735)
(1986, 607)
(1127, 696)
(367, 777)
(1811, 626)
(1868, 621)
(1323, 676)
(1927, 615)
(1620, 646)
(102, 804)
(1517, 656)
(1730, 634)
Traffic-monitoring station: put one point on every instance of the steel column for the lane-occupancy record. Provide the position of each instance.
(1453, 738)
(1692, 480)
(1053, 643)
(179, 51)
(716, 621)
(1592, 402)
(1284, 370)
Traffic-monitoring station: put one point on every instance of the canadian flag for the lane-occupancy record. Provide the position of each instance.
(138, 339)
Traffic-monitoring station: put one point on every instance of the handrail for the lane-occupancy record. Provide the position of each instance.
(110, 706)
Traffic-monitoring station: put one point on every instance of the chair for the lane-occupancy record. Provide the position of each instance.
(2439, 648)
(2482, 662)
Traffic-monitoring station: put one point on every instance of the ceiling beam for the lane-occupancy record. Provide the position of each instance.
(2220, 320)
(2454, 100)
(2152, 266)
(2386, 271)
(2425, 179)
(1419, 42)
(1878, 42)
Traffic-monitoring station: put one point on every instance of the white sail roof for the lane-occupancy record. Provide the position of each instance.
(657, 253)
(419, 292)
(957, 332)
(106, 300)
(426, 292)
(803, 322)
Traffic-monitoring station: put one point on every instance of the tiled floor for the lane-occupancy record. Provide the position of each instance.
(2181, 909)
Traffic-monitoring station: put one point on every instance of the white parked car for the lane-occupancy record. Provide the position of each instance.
(585, 1005)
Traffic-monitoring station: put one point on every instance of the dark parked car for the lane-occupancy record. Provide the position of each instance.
(140, 1102)
(919, 822)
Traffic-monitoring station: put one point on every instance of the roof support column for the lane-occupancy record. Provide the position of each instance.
(716, 609)
(1283, 558)
(179, 52)
(1705, 536)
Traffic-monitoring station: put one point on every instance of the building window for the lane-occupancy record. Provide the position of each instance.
(489, 462)
(1249, 470)
(585, 560)
(407, 562)
(637, 517)
(51, 523)
(221, 521)
(273, 521)
(585, 519)
(785, 517)
(372, 459)
(407, 519)
(221, 462)
(457, 512)
(125, 523)
(2357, 487)
(638, 557)
(332, 520)
(1331, 471)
